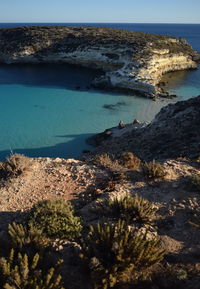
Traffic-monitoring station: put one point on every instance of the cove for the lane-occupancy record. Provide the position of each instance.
(49, 110)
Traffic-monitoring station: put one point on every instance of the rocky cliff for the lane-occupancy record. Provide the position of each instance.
(130, 60)
(175, 132)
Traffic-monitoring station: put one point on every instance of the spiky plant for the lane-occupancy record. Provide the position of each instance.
(23, 273)
(154, 169)
(23, 236)
(56, 219)
(130, 208)
(113, 252)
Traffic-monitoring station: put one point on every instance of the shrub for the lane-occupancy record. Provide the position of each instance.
(131, 209)
(107, 161)
(14, 166)
(23, 236)
(108, 185)
(196, 181)
(56, 219)
(129, 160)
(113, 252)
(154, 169)
(25, 273)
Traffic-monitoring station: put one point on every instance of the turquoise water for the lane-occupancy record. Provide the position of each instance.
(43, 120)
(48, 110)
(50, 121)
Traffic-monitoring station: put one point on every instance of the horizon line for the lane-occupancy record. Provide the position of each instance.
(99, 23)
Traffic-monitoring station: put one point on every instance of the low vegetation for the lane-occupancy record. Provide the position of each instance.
(56, 219)
(121, 162)
(153, 170)
(129, 208)
(40, 38)
(110, 254)
(129, 161)
(107, 161)
(26, 273)
(115, 254)
(14, 166)
(22, 236)
(116, 251)
(27, 260)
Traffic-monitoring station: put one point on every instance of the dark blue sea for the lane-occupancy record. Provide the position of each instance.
(43, 114)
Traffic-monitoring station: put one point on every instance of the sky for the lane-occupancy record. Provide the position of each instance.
(107, 11)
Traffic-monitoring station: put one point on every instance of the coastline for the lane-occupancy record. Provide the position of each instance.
(131, 61)
(191, 88)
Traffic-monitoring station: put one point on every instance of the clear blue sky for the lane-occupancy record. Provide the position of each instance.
(128, 11)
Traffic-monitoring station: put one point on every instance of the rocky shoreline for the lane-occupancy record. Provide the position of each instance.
(174, 132)
(131, 61)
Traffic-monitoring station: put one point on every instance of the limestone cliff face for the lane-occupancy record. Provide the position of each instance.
(130, 60)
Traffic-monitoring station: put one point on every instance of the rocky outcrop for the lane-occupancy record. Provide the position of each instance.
(130, 60)
(175, 132)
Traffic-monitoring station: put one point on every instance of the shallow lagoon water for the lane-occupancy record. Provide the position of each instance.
(48, 110)
(44, 118)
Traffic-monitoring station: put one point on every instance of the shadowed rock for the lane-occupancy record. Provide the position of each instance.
(174, 132)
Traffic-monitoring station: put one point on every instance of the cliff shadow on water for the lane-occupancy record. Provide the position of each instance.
(57, 75)
(66, 149)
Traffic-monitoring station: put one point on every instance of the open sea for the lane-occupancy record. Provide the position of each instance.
(42, 113)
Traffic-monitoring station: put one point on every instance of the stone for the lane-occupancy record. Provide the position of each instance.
(136, 121)
(121, 125)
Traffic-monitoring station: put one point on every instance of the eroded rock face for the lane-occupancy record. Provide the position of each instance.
(175, 132)
(131, 60)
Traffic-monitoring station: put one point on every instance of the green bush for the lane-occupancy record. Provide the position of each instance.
(154, 169)
(21, 272)
(131, 209)
(14, 166)
(114, 253)
(56, 219)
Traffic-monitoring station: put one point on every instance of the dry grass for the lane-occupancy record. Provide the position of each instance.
(14, 166)
(154, 170)
(117, 164)
(107, 161)
(129, 161)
